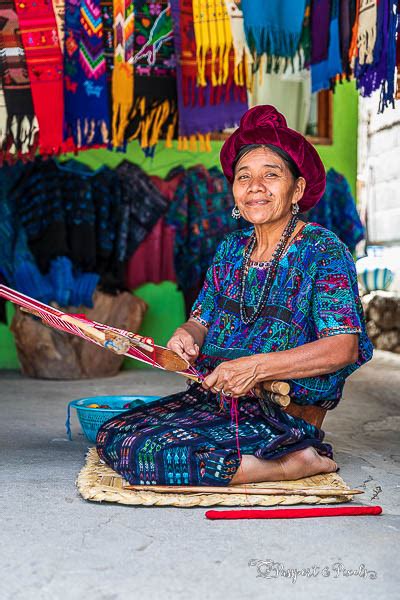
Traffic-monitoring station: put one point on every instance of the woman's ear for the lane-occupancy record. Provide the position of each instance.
(299, 188)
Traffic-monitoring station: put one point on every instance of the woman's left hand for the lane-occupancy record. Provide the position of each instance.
(234, 377)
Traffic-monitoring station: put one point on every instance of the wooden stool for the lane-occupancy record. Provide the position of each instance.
(312, 414)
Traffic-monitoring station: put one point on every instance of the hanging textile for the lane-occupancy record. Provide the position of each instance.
(380, 73)
(153, 261)
(273, 28)
(319, 23)
(38, 29)
(19, 127)
(141, 207)
(305, 38)
(347, 17)
(201, 215)
(154, 112)
(324, 72)
(122, 76)
(337, 211)
(243, 58)
(366, 35)
(59, 13)
(107, 18)
(201, 109)
(214, 37)
(86, 117)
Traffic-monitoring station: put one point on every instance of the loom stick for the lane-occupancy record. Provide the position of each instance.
(277, 387)
(280, 400)
(267, 491)
(294, 513)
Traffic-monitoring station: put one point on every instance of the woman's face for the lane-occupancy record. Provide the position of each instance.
(263, 188)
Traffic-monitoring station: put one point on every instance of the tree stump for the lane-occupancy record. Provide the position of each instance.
(47, 353)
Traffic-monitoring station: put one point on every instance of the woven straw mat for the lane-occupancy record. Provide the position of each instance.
(98, 483)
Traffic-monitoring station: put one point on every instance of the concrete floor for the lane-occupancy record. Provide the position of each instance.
(56, 546)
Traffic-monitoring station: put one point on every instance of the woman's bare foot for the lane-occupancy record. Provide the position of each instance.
(295, 465)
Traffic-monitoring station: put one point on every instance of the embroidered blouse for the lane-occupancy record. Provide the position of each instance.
(314, 295)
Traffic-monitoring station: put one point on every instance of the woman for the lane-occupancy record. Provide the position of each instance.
(280, 301)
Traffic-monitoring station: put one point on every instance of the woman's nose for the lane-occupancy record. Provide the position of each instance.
(257, 184)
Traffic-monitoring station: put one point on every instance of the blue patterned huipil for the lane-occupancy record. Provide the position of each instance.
(186, 438)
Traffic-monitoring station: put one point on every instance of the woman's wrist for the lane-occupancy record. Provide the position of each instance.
(194, 330)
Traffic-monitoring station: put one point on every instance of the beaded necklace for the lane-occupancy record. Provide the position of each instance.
(270, 276)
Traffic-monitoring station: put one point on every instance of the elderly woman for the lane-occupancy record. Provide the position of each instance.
(279, 302)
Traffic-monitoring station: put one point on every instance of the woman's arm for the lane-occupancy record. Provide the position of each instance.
(327, 355)
(323, 356)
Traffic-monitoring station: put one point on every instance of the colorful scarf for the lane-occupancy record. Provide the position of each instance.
(305, 39)
(347, 17)
(38, 29)
(122, 77)
(59, 12)
(154, 113)
(273, 27)
(243, 59)
(19, 129)
(320, 19)
(380, 73)
(323, 74)
(366, 36)
(201, 109)
(337, 211)
(86, 117)
(213, 36)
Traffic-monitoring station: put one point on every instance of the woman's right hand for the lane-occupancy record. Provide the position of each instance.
(182, 342)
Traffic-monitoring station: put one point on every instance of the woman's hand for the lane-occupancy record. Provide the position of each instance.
(234, 377)
(182, 342)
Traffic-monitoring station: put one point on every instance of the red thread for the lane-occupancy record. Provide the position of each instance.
(294, 513)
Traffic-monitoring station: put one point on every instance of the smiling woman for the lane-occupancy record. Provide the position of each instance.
(280, 301)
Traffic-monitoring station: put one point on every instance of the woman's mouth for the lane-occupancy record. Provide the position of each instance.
(257, 202)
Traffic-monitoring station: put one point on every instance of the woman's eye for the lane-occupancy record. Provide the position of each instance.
(270, 174)
(241, 177)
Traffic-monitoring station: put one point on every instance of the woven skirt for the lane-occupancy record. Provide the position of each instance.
(189, 439)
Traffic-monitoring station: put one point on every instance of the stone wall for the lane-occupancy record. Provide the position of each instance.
(382, 312)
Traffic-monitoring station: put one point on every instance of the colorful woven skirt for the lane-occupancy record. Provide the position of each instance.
(188, 439)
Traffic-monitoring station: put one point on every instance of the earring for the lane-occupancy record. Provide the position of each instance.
(295, 208)
(235, 212)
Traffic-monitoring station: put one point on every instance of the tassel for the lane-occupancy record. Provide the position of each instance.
(192, 143)
(202, 143)
(208, 142)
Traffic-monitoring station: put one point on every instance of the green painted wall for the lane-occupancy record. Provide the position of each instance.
(166, 309)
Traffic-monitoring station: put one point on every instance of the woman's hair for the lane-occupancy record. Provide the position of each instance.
(288, 160)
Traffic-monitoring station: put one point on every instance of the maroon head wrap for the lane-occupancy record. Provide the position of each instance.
(265, 125)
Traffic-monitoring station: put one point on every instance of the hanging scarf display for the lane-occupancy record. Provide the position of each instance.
(86, 117)
(380, 73)
(273, 27)
(107, 17)
(347, 17)
(366, 35)
(38, 29)
(154, 112)
(243, 58)
(319, 22)
(201, 109)
(213, 36)
(337, 211)
(59, 13)
(305, 39)
(122, 77)
(323, 73)
(19, 128)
